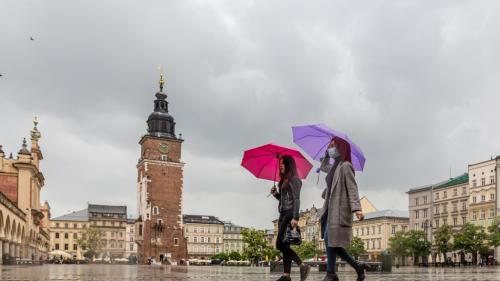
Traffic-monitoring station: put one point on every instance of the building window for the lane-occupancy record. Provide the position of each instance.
(474, 183)
(483, 214)
(437, 223)
(445, 194)
(393, 229)
(455, 221)
(483, 198)
(66, 235)
(416, 201)
(155, 211)
(202, 239)
(75, 247)
(57, 234)
(403, 228)
(208, 239)
(368, 231)
(474, 199)
(140, 230)
(483, 181)
(455, 192)
(416, 214)
(436, 211)
(75, 235)
(425, 213)
(164, 157)
(131, 247)
(379, 229)
(492, 196)
(362, 231)
(492, 213)
(474, 215)
(492, 179)
(454, 207)
(436, 195)
(176, 241)
(425, 199)
(218, 241)
(445, 208)
(57, 225)
(66, 247)
(464, 206)
(195, 239)
(65, 225)
(464, 190)
(464, 220)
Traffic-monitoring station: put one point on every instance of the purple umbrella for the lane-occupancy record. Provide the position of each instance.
(314, 140)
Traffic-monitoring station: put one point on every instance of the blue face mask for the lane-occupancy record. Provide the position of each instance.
(332, 152)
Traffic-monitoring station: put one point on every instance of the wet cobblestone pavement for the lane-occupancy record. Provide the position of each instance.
(218, 273)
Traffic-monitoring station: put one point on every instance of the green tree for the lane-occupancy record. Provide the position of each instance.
(418, 245)
(442, 239)
(470, 239)
(306, 250)
(91, 242)
(271, 253)
(221, 256)
(256, 244)
(356, 247)
(494, 233)
(235, 256)
(398, 245)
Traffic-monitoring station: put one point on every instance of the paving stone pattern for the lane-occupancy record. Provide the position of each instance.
(218, 273)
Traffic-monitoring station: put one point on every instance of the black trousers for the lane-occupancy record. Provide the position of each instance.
(288, 253)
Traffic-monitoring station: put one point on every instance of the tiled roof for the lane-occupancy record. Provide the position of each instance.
(81, 215)
(107, 209)
(201, 219)
(464, 178)
(387, 214)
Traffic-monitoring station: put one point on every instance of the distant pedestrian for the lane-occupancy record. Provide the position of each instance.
(289, 206)
(341, 202)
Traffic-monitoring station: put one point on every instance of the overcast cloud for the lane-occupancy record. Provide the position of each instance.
(415, 84)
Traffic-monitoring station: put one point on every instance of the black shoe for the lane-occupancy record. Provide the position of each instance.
(304, 271)
(331, 276)
(284, 278)
(360, 270)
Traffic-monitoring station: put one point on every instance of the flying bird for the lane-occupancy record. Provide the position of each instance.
(1, 75)
(32, 39)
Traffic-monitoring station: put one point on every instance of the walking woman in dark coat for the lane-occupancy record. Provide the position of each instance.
(289, 206)
(341, 202)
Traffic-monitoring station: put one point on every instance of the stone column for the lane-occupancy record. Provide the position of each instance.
(18, 251)
(12, 250)
(1, 252)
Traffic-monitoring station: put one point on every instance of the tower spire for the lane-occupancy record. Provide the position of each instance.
(162, 81)
(35, 134)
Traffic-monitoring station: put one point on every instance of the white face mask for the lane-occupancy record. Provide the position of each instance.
(332, 152)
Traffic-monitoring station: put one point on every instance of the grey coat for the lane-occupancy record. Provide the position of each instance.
(341, 201)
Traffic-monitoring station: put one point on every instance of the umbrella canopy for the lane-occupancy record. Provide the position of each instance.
(314, 140)
(263, 161)
(59, 253)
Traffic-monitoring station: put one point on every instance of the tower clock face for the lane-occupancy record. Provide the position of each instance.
(163, 148)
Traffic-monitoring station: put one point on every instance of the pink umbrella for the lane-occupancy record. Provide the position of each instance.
(263, 161)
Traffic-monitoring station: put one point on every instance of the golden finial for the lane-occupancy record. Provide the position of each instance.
(162, 82)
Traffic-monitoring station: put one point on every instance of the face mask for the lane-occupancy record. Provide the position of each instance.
(332, 152)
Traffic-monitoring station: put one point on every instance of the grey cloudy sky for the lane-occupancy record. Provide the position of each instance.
(414, 83)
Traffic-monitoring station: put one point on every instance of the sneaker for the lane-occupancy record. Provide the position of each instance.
(304, 271)
(284, 278)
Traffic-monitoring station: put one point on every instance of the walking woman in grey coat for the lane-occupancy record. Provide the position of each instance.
(341, 202)
(289, 206)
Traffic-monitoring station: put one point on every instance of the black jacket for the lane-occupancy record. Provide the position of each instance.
(289, 196)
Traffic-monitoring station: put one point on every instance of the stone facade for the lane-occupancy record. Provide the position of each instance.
(66, 230)
(420, 209)
(204, 235)
(376, 229)
(130, 245)
(110, 220)
(233, 239)
(24, 225)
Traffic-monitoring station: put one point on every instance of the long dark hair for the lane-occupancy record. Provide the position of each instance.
(290, 169)
(344, 149)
